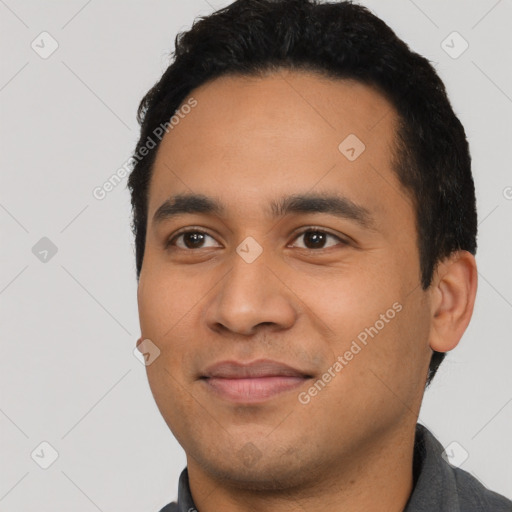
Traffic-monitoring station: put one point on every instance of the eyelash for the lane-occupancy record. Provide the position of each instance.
(314, 229)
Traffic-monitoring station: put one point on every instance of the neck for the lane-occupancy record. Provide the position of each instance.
(378, 477)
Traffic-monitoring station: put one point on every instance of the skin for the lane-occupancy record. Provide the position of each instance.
(247, 142)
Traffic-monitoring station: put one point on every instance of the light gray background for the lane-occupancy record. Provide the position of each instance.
(68, 375)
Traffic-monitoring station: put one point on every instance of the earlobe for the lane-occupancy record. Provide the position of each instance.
(453, 297)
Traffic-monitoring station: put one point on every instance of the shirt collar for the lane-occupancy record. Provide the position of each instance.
(185, 503)
(435, 485)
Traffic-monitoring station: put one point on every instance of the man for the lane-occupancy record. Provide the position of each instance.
(305, 225)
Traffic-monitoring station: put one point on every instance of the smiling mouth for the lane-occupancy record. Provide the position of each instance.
(254, 382)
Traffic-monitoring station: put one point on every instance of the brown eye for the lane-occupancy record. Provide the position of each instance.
(316, 238)
(191, 239)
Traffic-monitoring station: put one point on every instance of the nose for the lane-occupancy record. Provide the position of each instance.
(251, 295)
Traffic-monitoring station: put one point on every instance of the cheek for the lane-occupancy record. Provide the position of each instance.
(167, 300)
(394, 359)
(170, 304)
(347, 302)
(376, 323)
(172, 397)
(411, 337)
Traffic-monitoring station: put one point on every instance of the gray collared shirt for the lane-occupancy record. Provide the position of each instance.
(438, 485)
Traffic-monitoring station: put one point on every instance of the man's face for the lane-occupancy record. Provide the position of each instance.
(306, 289)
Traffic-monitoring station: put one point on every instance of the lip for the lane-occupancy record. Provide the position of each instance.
(253, 382)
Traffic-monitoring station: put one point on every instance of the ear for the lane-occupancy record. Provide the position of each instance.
(453, 292)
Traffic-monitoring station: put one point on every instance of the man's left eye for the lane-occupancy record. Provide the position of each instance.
(316, 238)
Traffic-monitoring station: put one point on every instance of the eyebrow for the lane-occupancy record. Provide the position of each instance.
(336, 205)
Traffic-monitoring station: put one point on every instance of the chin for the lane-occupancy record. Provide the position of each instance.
(250, 469)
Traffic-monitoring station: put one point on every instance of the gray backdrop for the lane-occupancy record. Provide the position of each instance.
(71, 77)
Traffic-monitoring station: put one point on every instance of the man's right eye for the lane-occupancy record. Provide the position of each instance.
(191, 239)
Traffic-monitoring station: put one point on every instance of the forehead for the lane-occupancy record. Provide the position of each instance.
(287, 132)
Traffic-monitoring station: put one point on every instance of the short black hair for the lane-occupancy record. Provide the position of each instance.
(340, 40)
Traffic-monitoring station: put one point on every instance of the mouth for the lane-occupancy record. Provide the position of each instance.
(253, 382)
